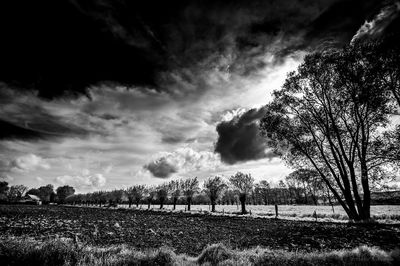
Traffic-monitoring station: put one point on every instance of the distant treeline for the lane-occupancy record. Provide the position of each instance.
(299, 187)
(238, 189)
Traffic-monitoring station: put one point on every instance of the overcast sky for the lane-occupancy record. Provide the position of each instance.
(107, 94)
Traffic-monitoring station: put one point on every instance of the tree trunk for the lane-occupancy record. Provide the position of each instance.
(161, 204)
(212, 205)
(189, 200)
(242, 198)
(175, 200)
(367, 195)
(330, 200)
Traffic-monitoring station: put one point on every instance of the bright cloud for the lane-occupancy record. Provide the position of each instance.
(28, 163)
(94, 181)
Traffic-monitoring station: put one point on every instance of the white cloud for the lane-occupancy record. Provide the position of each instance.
(86, 181)
(182, 160)
(28, 163)
(7, 178)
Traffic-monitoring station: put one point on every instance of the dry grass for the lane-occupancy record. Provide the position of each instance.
(14, 251)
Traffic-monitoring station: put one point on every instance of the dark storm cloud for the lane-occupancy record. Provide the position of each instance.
(65, 46)
(239, 139)
(161, 168)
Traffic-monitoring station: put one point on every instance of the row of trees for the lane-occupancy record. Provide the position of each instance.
(238, 189)
(45, 193)
(300, 187)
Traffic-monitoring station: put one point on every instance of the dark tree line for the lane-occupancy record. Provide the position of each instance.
(15, 193)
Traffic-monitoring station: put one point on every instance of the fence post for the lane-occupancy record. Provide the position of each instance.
(276, 211)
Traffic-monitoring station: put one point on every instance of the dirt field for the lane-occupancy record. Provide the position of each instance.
(188, 233)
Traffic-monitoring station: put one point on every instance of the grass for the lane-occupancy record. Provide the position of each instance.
(18, 251)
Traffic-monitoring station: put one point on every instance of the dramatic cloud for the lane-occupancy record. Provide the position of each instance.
(127, 91)
(239, 139)
(134, 43)
(182, 160)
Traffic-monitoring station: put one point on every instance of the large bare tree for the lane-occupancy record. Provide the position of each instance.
(329, 116)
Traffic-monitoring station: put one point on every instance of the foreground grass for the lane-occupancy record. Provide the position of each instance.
(17, 251)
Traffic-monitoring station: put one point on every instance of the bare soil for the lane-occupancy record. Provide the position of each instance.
(188, 233)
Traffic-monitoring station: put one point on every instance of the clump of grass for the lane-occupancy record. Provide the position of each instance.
(15, 251)
(215, 254)
(29, 252)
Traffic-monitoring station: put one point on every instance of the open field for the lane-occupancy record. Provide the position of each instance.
(188, 233)
(378, 212)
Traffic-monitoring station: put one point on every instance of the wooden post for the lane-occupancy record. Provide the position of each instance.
(276, 211)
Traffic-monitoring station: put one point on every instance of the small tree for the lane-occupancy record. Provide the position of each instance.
(45, 193)
(3, 190)
(311, 180)
(63, 192)
(16, 192)
(150, 195)
(136, 194)
(189, 187)
(174, 187)
(213, 187)
(243, 183)
(263, 189)
(162, 194)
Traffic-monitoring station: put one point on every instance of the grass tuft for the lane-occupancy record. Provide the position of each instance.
(14, 251)
(215, 254)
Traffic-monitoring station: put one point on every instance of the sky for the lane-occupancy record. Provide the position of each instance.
(108, 94)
